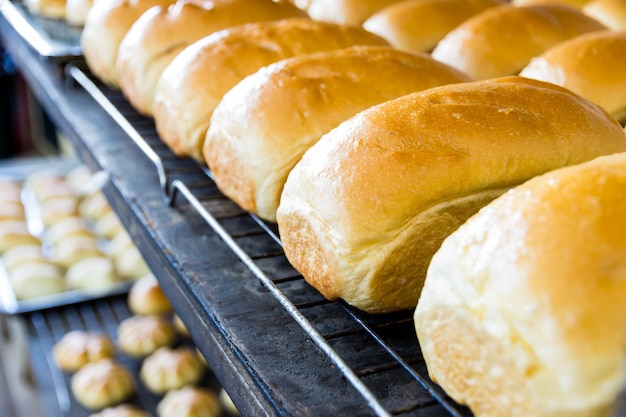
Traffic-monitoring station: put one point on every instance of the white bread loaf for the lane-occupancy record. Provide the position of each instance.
(162, 33)
(418, 25)
(523, 312)
(592, 65)
(345, 12)
(366, 207)
(197, 79)
(612, 13)
(501, 40)
(105, 26)
(264, 124)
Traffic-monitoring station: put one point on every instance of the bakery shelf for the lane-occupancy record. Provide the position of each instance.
(274, 343)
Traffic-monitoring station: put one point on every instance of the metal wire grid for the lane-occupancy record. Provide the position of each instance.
(378, 354)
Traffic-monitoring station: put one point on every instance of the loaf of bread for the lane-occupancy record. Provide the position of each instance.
(523, 312)
(263, 125)
(418, 25)
(195, 81)
(501, 40)
(106, 24)
(162, 33)
(345, 12)
(612, 13)
(366, 207)
(591, 65)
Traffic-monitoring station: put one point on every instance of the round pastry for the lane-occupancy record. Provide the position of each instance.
(501, 40)
(124, 410)
(55, 187)
(228, 403)
(94, 206)
(146, 297)
(196, 80)
(418, 25)
(160, 34)
(591, 65)
(68, 227)
(612, 13)
(23, 254)
(130, 264)
(14, 233)
(56, 209)
(78, 348)
(120, 242)
(345, 12)
(524, 306)
(190, 402)
(12, 210)
(72, 249)
(265, 123)
(420, 166)
(102, 384)
(92, 274)
(33, 280)
(76, 11)
(53, 9)
(140, 336)
(168, 369)
(108, 225)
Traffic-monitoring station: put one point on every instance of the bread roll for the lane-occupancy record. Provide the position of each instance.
(94, 206)
(23, 254)
(140, 336)
(366, 207)
(68, 227)
(34, 280)
(263, 125)
(190, 402)
(124, 410)
(523, 311)
(15, 233)
(76, 11)
(93, 273)
(54, 210)
(108, 226)
(591, 65)
(146, 297)
(345, 12)
(501, 40)
(52, 9)
(574, 3)
(168, 369)
(160, 34)
(418, 25)
(76, 248)
(78, 348)
(12, 210)
(612, 13)
(195, 81)
(102, 384)
(106, 24)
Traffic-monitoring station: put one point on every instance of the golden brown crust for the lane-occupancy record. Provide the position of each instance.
(146, 297)
(418, 25)
(574, 3)
(345, 12)
(591, 65)
(197, 79)
(102, 384)
(78, 348)
(53, 9)
(105, 26)
(263, 125)
(141, 336)
(530, 293)
(612, 13)
(190, 402)
(169, 369)
(501, 40)
(354, 208)
(160, 34)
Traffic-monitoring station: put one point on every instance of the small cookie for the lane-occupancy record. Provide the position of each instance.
(140, 336)
(190, 402)
(78, 348)
(102, 384)
(168, 369)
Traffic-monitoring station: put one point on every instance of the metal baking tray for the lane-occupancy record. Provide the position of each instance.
(19, 169)
(378, 355)
(50, 38)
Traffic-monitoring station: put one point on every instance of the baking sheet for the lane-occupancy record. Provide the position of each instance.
(51, 38)
(19, 169)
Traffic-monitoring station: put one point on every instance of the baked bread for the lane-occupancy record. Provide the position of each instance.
(168, 369)
(12, 210)
(52, 9)
(612, 13)
(162, 33)
(263, 125)
(190, 402)
(574, 3)
(73, 249)
(23, 254)
(94, 206)
(10, 190)
(15, 233)
(69, 226)
(130, 263)
(78, 348)
(591, 65)
(124, 410)
(523, 311)
(501, 40)
(106, 24)
(34, 280)
(146, 297)
(197, 79)
(367, 206)
(344, 12)
(54, 210)
(76, 11)
(94, 273)
(418, 25)
(102, 384)
(140, 336)
(108, 225)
